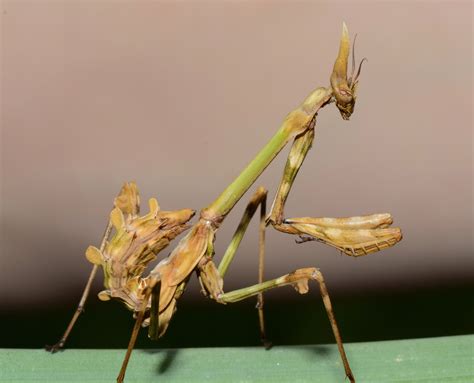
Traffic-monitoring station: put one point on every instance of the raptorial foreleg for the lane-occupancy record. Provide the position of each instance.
(354, 236)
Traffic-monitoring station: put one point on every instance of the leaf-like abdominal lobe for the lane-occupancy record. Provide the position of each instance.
(94, 255)
(128, 200)
(186, 255)
(135, 242)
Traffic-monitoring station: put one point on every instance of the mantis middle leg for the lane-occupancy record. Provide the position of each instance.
(299, 280)
(207, 267)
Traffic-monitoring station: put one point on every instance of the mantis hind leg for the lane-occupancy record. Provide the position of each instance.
(155, 290)
(85, 294)
(299, 280)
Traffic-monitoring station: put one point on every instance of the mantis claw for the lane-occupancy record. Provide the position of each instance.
(353, 236)
(55, 347)
(266, 343)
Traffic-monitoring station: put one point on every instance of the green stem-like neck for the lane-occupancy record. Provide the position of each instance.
(295, 123)
(232, 194)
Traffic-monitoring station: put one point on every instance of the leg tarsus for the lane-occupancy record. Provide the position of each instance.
(267, 344)
(55, 347)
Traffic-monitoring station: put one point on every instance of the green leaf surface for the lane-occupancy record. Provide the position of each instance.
(446, 359)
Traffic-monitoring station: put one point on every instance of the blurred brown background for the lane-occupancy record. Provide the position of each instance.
(180, 96)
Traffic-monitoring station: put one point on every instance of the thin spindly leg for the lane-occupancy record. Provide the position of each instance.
(138, 322)
(261, 265)
(85, 294)
(298, 152)
(259, 198)
(299, 280)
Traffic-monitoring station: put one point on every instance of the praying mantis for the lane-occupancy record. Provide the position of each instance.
(132, 241)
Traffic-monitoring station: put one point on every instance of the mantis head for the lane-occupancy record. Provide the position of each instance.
(345, 89)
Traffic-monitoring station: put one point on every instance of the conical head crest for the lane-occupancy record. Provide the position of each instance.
(344, 88)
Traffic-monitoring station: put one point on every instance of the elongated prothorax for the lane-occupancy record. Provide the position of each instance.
(295, 123)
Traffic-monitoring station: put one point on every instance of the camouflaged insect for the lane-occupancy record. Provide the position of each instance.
(136, 240)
